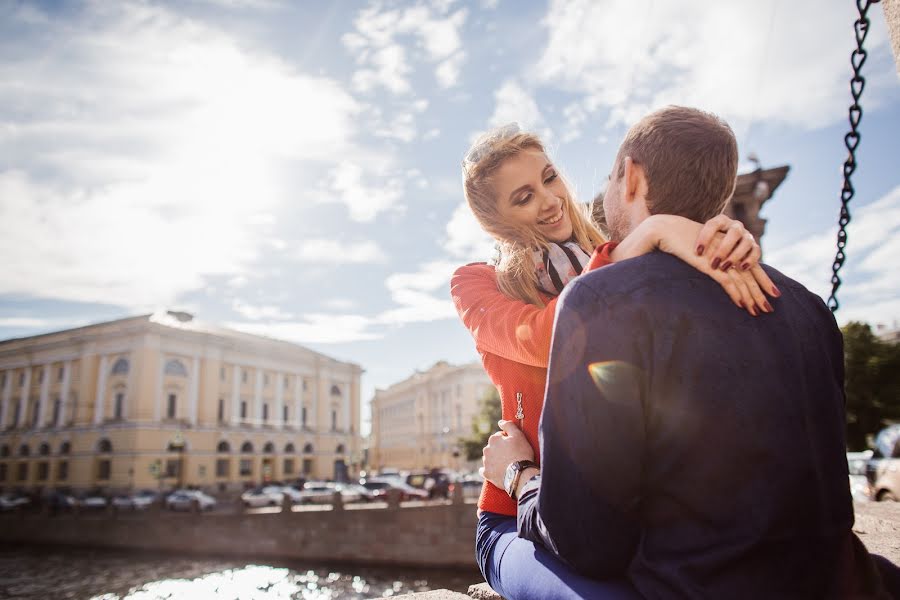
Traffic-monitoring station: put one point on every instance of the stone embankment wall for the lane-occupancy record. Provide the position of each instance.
(424, 535)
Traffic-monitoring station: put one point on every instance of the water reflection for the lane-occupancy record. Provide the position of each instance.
(106, 575)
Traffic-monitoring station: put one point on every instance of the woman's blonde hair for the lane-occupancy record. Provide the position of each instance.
(516, 276)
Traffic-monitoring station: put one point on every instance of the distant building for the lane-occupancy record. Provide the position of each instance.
(161, 401)
(417, 422)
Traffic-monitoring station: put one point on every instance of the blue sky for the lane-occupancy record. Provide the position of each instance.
(292, 169)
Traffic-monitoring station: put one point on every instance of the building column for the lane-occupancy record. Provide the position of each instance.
(64, 397)
(257, 397)
(193, 390)
(279, 400)
(42, 403)
(347, 411)
(23, 397)
(6, 395)
(235, 395)
(100, 401)
(160, 377)
(298, 402)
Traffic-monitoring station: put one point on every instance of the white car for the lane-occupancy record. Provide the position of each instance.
(267, 496)
(93, 503)
(295, 495)
(184, 500)
(10, 502)
(139, 501)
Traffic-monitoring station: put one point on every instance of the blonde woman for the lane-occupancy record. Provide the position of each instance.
(545, 239)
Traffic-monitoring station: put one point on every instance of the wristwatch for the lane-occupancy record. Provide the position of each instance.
(514, 473)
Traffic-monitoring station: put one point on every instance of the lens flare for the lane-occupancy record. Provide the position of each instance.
(616, 379)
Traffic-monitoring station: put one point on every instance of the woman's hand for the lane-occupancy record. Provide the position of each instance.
(722, 249)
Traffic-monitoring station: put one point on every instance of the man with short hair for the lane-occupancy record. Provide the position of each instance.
(686, 444)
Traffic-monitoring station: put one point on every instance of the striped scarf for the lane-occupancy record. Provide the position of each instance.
(558, 265)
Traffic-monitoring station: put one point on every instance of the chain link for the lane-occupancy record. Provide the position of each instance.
(851, 141)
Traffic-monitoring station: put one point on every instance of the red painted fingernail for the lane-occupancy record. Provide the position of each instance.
(727, 265)
(715, 262)
(776, 292)
(753, 310)
(745, 266)
(768, 307)
(700, 250)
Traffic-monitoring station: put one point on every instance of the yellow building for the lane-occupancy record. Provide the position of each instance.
(160, 401)
(417, 423)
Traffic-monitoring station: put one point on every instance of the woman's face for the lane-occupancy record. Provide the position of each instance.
(530, 193)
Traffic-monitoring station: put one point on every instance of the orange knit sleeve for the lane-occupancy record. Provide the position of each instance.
(500, 325)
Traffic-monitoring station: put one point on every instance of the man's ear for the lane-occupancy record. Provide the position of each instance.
(635, 180)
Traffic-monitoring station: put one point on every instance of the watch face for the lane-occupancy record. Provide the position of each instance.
(509, 476)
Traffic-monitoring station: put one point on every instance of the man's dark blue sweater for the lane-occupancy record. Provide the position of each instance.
(693, 447)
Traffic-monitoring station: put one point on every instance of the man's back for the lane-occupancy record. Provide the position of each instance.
(713, 440)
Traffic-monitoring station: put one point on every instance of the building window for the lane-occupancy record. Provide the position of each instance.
(305, 385)
(23, 472)
(173, 467)
(266, 380)
(287, 382)
(221, 413)
(244, 375)
(307, 466)
(62, 470)
(223, 466)
(243, 409)
(65, 448)
(335, 390)
(21, 379)
(3, 468)
(176, 368)
(340, 449)
(246, 467)
(265, 414)
(60, 375)
(16, 414)
(308, 449)
(120, 401)
(269, 448)
(104, 446)
(284, 414)
(289, 466)
(44, 449)
(333, 420)
(223, 447)
(104, 467)
(303, 416)
(3, 381)
(24, 450)
(170, 409)
(4, 450)
(289, 448)
(41, 376)
(120, 367)
(247, 448)
(57, 411)
(43, 470)
(35, 414)
(221, 373)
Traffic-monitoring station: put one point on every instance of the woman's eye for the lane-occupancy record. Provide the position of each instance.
(523, 200)
(550, 178)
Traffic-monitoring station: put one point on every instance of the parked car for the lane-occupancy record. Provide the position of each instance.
(184, 500)
(57, 501)
(471, 485)
(365, 494)
(139, 501)
(437, 482)
(883, 469)
(379, 486)
(264, 496)
(93, 502)
(294, 494)
(856, 465)
(13, 502)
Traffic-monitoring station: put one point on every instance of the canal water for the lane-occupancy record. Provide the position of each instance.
(41, 573)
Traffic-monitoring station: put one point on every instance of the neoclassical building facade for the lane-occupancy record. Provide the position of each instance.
(161, 401)
(417, 422)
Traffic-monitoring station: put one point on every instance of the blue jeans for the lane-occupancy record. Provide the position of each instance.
(519, 569)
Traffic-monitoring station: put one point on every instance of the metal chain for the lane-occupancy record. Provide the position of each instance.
(851, 141)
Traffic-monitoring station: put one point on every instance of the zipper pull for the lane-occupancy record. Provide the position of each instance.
(520, 414)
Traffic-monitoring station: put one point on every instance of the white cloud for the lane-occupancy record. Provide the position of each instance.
(630, 57)
(328, 251)
(513, 103)
(349, 184)
(466, 240)
(871, 280)
(138, 148)
(314, 328)
(259, 313)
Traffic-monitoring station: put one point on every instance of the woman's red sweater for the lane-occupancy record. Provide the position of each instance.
(513, 339)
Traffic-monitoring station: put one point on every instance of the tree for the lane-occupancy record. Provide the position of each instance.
(871, 382)
(483, 424)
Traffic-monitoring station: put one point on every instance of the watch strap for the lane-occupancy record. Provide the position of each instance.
(519, 466)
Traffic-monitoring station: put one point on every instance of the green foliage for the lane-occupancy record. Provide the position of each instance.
(872, 383)
(483, 425)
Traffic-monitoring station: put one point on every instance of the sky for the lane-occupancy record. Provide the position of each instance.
(292, 169)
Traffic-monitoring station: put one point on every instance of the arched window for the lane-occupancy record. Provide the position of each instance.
(308, 449)
(335, 390)
(289, 448)
(120, 367)
(24, 450)
(176, 368)
(339, 449)
(104, 446)
(269, 448)
(44, 449)
(223, 447)
(65, 448)
(4, 450)
(247, 448)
